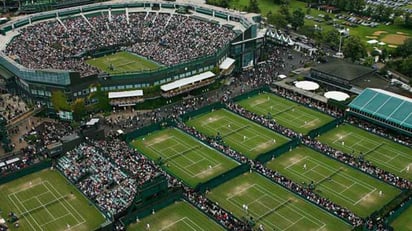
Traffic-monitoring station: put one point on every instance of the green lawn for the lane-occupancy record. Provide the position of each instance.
(183, 156)
(404, 221)
(47, 201)
(287, 113)
(384, 153)
(123, 62)
(362, 31)
(181, 216)
(239, 133)
(272, 206)
(334, 180)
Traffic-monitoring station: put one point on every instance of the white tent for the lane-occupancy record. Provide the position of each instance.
(307, 85)
(282, 76)
(336, 95)
(381, 43)
(373, 41)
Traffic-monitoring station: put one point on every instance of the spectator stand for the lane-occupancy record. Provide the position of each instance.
(187, 84)
(384, 108)
(227, 66)
(126, 98)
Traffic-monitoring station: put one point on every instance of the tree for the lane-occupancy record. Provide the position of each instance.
(332, 37)
(253, 6)
(102, 99)
(405, 49)
(59, 101)
(284, 11)
(298, 18)
(79, 109)
(354, 48)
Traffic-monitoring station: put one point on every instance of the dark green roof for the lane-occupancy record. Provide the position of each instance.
(343, 70)
(386, 105)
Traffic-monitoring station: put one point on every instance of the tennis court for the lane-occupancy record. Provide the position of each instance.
(184, 156)
(287, 113)
(46, 201)
(253, 197)
(342, 184)
(180, 216)
(382, 152)
(239, 133)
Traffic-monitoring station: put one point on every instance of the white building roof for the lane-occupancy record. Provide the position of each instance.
(92, 122)
(125, 94)
(226, 63)
(185, 81)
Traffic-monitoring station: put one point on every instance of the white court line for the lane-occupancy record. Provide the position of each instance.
(206, 170)
(44, 207)
(82, 218)
(364, 197)
(24, 207)
(160, 141)
(18, 208)
(33, 197)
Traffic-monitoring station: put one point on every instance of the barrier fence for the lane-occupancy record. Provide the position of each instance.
(26, 171)
(222, 178)
(326, 127)
(265, 157)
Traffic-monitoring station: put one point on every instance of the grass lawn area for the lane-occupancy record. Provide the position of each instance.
(47, 201)
(382, 152)
(361, 31)
(404, 221)
(123, 62)
(180, 216)
(334, 180)
(272, 206)
(239, 133)
(287, 113)
(184, 156)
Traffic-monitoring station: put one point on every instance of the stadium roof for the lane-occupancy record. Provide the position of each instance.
(343, 70)
(385, 105)
(185, 81)
(226, 63)
(124, 94)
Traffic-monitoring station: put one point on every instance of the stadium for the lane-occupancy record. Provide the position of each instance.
(256, 154)
(123, 47)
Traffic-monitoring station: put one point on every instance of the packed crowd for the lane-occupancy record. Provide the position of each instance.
(108, 172)
(12, 106)
(304, 192)
(22, 159)
(215, 211)
(359, 163)
(165, 38)
(399, 138)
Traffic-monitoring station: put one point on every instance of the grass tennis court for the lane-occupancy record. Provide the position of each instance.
(180, 216)
(187, 158)
(47, 201)
(122, 62)
(287, 113)
(384, 153)
(239, 133)
(404, 221)
(272, 206)
(340, 183)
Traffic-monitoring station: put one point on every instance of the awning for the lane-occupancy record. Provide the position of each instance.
(183, 82)
(336, 95)
(12, 160)
(2, 164)
(226, 63)
(125, 94)
(92, 122)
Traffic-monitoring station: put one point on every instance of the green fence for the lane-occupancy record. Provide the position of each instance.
(251, 93)
(265, 157)
(320, 130)
(145, 209)
(145, 130)
(26, 171)
(202, 110)
(155, 186)
(399, 211)
(222, 178)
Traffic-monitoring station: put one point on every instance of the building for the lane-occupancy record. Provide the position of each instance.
(38, 84)
(384, 108)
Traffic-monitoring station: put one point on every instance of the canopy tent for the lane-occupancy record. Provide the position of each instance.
(92, 122)
(125, 94)
(183, 82)
(373, 41)
(336, 95)
(282, 76)
(381, 43)
(226, 63)
(307, 85)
